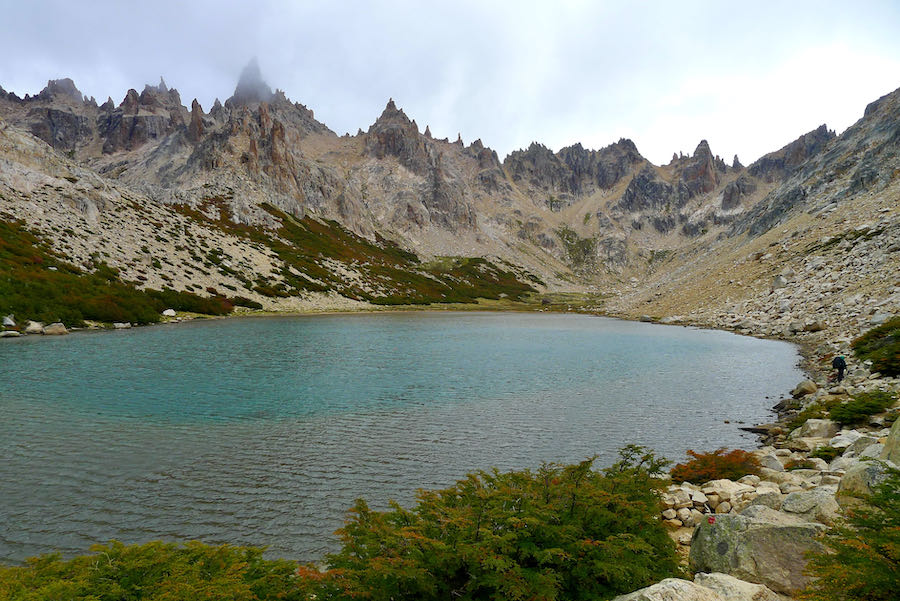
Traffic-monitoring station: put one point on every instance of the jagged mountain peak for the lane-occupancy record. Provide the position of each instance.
(61, 88)
(392, 116)
(251, 88)
(702, 150)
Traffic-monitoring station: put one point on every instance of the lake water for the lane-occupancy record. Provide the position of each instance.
(263, 431)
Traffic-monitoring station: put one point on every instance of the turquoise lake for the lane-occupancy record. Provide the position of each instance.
(263, 431)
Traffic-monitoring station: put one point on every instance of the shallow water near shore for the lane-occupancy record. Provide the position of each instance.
(264, 431)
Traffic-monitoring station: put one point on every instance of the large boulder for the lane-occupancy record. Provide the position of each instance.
(891, 451)
(733, 589)
(760, 545)
(804, 388)
(815, 428)
(860, 481)
(55, 329)
(672, 589)
(34, 327)
(816, 505)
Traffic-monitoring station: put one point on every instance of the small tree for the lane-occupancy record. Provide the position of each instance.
(863, 558)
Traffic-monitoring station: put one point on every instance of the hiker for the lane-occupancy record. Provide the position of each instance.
(839, 364)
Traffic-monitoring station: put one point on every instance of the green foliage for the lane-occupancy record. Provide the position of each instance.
(561, 532)
(241, 301)
(580, 251)
(861, 407)
(155, 571)
(881, 345)
(716, 465)
(37, 284)
(187, 301)
(826, 453)
(863, 557)
(391, 275)
(818, 410)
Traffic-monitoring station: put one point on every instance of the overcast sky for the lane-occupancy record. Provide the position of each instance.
(748, 78)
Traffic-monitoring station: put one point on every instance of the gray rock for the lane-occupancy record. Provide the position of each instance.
(760, 545)
(844, 439)
(733, 589)
(880, 318)
(859, 445)
(815, 428)
(672, 589)
(55, 329)
(9, 334)
(816, 505)
(771, 462)
(891, 450)
(771, 499)
(34, 327)
(169, 313)
(804, 388)
(9, 322)
(121, 325)
(860, 481)
(872, 451)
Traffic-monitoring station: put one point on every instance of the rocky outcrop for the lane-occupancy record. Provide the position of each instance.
(648, 191)
(891, 450)
(736, 191)
(250, 87)
(139, 119)
(759, 545)
(393, 134)
(780, 164)
(699, 174)
(672, 589)
(733, 589)
(537, 168)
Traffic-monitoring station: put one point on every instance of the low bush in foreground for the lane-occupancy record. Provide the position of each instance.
(155, 571)
(716, 465)
(560, 532)
(881, 345)
(863, 557)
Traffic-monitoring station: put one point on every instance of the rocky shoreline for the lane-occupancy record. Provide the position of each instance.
(747, 539)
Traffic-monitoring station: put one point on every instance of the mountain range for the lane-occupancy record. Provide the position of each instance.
(256, 196)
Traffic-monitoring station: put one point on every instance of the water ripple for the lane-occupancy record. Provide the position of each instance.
(264, 431)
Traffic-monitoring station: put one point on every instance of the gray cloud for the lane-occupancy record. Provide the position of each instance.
(749, 78)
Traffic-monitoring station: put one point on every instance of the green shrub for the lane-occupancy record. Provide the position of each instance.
(716, 465)
(562, 532)
(861, 407)
(242, 301)
(862, 561)
(826, 453)
(881, 345)
(818, 410)
(155, 571)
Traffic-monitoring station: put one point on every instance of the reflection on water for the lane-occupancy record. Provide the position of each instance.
(264, 431)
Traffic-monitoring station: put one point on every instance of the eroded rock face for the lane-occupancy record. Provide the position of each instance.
(759, 545)
(393, 134)
(781, 163)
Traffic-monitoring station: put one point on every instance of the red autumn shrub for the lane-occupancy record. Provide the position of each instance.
(704, 467)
